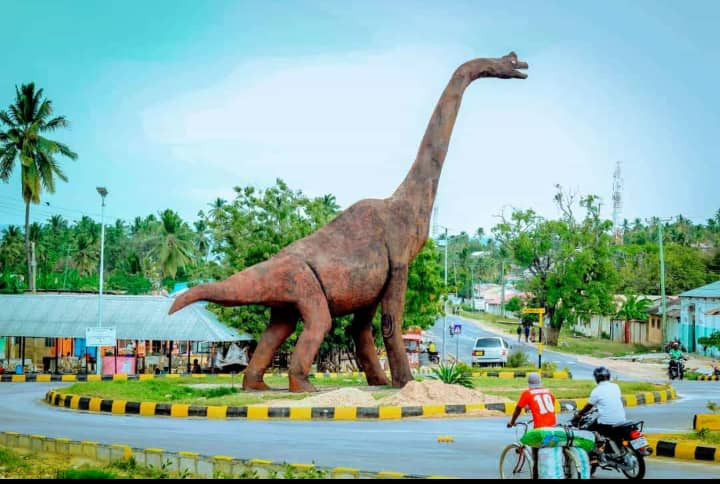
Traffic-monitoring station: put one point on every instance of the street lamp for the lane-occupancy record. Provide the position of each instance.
(103, 193)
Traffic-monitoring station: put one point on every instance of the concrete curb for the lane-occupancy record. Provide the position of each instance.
(262, 412)
(706, 421)
(45, 378)
(191, 462)
(705, 378)
(685, 450)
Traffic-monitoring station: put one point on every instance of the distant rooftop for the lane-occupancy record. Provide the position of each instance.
(711, 290)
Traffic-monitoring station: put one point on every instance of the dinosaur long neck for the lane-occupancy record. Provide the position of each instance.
(420, 185)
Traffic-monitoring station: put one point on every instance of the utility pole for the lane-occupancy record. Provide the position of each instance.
(502, 289)
(103, 193)
(67, 256)
(446, 295)
(33, 266)
(663, 325)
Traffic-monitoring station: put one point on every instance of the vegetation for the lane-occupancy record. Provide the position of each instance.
(517, 359)
(22, 464)
(704, 436)
(22, 130)
(712, 341)
(454, 374)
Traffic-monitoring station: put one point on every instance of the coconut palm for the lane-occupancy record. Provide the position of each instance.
(634, 308)
(87, 255)
(172, 245)
(10, 247)
(21, 139)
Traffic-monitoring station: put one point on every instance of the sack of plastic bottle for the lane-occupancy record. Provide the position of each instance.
(559, 437)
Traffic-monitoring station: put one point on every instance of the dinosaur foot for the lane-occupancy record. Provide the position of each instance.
(300, 384)
(254, 382)
(376, 380)
(401, 380)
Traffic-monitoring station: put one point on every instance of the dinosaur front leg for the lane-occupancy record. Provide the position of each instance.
(393, 305)
(361, 329)
(282, 324)
(317, 321)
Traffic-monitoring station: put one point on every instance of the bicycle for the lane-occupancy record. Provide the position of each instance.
(516, 460)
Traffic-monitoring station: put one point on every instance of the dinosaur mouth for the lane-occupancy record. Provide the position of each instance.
(520, 65)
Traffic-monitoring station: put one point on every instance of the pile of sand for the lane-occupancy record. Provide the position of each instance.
(429, 392)
(344, 397)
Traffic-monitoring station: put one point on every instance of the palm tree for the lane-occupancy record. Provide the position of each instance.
(172, 246)
(87, 254)
(25, 121)
(634, 308)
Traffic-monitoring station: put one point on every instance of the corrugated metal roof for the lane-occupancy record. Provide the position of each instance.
(135, 317)
(711, 290)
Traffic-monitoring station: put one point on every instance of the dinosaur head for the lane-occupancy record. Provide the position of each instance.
(506, 67)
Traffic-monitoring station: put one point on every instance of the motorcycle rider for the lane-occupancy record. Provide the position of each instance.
(676, 356)
(606, 396)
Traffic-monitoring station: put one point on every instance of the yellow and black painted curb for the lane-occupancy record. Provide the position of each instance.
(263, 412)
(191, 462)
(705, 378)
(679, 449)
(706, 421)
(45, 378)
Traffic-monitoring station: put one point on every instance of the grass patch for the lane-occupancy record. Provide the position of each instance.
(179, 392)
(512, 388)
(568, 342)
(703, 435)
(597, 347)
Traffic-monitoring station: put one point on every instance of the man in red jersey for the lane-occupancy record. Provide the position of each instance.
(541, 403)
(539, 400)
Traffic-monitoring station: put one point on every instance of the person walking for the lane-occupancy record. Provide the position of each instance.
(519, 332)
(527, 332)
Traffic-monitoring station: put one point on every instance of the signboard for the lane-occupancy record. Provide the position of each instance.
(533, 311)
(104, 336)
(456, 328)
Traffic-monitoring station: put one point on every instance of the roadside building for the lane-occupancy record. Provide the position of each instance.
(52, 328)
(699, 317)
(672, 317)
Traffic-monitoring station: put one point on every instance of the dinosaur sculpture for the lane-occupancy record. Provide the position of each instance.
(354, 263)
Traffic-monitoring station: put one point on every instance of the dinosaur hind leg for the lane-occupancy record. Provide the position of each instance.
(282, 324)
(365, 346)
(317, 321)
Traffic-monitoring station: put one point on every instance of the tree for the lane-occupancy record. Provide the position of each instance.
(569, 261)
(633, 309)
(514, 304)
(25, 121)
(172, 244)
(712, 341)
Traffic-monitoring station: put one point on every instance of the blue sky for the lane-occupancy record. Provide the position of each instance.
(173, 103)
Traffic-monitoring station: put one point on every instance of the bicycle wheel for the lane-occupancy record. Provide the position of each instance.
(516, 462)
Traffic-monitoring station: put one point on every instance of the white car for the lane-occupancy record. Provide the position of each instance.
(490, 350)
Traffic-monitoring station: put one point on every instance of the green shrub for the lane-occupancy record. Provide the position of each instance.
(85, 474)
(713, 406)
(549, 367)
(604, 335)
(453, 374)
(517, 359)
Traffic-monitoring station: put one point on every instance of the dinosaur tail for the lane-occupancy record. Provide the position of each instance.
(237, 290)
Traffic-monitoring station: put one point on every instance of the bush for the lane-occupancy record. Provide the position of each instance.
(85, 474)
(604, 335)
(549, 367)
(453, 374)
(517, 359)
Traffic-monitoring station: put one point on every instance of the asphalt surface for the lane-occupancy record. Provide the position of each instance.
(408, 446)
(470, 332)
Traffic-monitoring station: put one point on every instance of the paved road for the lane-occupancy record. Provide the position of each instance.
(470, 332)
(406, 445)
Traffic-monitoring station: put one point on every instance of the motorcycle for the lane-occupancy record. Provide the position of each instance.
(623, 449)
(676, 369)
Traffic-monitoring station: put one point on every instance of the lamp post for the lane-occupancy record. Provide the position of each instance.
(103, 193)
